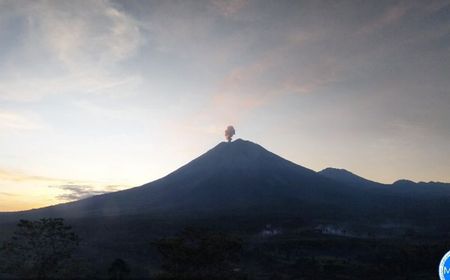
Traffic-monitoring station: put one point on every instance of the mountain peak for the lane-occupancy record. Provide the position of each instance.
(337, 171)
(238, 154)
(239, 141)
(347, 177)
(403, 182)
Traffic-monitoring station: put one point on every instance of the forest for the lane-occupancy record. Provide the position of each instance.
(52, 248)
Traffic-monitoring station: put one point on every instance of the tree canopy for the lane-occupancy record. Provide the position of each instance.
(197, 254)
(38, 249)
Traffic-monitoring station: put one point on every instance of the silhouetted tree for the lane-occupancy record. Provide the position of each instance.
(118, 270)
(196, 254)
(38, 249)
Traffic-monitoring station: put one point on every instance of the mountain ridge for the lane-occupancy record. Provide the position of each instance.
(243, 178)
(229, 177)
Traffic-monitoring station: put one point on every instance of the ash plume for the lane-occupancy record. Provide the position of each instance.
(229, 133)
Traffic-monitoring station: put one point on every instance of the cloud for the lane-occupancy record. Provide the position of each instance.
(229, 7)
(122, 113)
(91, 32)
(67, 47)
(7, 194)
(14, 181)
(77, 192)
(391, 15)
(17, 176)
(271, 76)
(17, 121)
(170, 26)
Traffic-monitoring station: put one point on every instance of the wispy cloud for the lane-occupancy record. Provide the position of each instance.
(94, 32)
(68, 47)
(61, 183)
(391, 15)
(108, 112)
(230, 7)
(7, 194)
(77, 192)
(18, 176)
(18, 121)
(271, 76)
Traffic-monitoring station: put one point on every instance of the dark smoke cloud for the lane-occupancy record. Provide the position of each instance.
(229, 133)
(77, 192)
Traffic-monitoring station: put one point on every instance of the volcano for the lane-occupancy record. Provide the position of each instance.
(232, 178)
(242, 178)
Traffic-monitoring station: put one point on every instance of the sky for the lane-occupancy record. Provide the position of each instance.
(98, 96)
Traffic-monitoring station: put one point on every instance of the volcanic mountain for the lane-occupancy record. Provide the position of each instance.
(242, 178)
(234, 177)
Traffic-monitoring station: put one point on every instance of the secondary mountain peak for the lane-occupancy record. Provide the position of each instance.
(403, 182)
(347, 177)
(337, 171)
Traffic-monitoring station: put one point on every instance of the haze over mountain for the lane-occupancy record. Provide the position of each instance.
(242, 178)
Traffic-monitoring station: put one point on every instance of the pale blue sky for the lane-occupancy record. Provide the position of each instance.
(119, 93)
